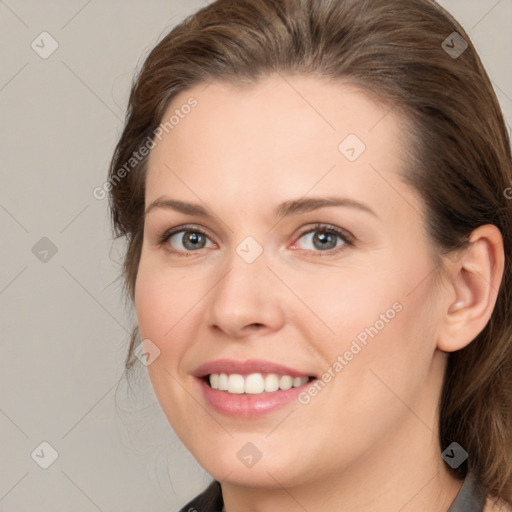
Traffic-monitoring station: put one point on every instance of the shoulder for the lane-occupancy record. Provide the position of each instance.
(491, 505)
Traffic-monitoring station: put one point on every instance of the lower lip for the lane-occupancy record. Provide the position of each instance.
(247, 405)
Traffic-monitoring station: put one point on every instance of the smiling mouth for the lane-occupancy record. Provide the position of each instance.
(254, 383)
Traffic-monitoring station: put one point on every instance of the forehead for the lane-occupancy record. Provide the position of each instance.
(282, 136)
(294, 108)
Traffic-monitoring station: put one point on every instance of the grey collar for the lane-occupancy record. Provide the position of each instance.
(471, 497)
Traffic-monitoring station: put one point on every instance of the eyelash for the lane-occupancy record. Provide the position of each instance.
(347, 238)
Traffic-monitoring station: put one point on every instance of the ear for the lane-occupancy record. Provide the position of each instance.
(475, 279)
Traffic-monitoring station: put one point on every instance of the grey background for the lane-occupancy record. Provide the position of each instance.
(64, 326)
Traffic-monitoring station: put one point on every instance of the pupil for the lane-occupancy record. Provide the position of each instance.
(324, 239)
(194, 238)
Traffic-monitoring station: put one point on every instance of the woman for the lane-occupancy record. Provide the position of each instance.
(319, 253)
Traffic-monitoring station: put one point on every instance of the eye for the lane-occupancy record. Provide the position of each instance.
(322, 237)
(325, 238)
(189, 238)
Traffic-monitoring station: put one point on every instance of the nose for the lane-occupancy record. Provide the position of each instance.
(248, 299)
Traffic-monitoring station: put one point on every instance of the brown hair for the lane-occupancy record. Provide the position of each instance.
(397, 51)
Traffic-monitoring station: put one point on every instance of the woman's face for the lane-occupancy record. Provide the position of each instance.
(311, 268)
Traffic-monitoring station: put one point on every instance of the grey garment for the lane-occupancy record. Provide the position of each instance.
(210, 500)
(470, 498)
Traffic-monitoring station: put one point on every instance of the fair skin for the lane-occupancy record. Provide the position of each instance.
(369, 439)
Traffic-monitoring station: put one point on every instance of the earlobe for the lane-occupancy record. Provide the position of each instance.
(475, 280)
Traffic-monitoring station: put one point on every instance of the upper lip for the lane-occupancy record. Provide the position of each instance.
(247, 367)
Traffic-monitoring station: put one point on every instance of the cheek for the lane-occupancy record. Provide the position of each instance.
(398, 344)
(149, 305)
(385, 326)
(354, 303)
(380, 360)
(161, 301)
(163, 306)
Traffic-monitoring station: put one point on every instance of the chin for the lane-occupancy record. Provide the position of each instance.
(250, 460)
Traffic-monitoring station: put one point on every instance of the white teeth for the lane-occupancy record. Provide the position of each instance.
(271, 382)
(223, 381)
(297, 381)
(255, 383)
(236, 384)
(285, 382)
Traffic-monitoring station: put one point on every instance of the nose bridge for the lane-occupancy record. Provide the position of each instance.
(247, 292)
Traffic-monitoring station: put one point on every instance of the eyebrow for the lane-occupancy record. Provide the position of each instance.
(292, 207)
